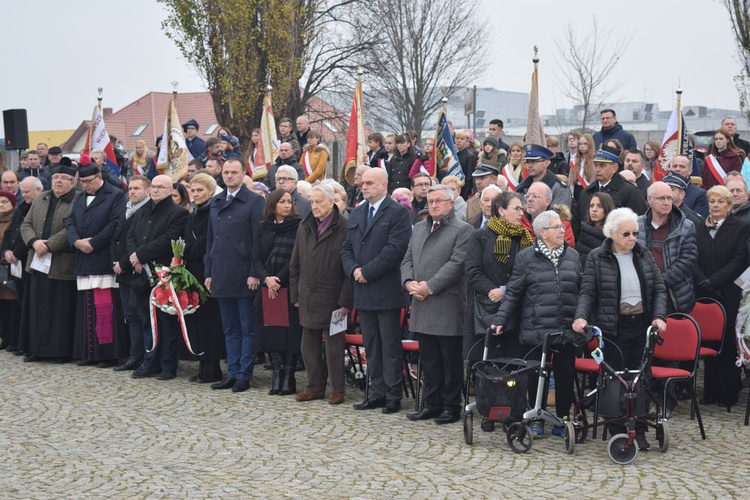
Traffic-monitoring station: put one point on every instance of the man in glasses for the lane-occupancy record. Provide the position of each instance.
(539, 200)
(287, 179)
(286, 157)
(433, 273)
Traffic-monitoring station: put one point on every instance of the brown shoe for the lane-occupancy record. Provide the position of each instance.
(309, 396)
(336, 398)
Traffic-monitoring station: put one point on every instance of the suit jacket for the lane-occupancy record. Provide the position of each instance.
(438, 257)
(378, 249)
(152, 230)
(97, 221)
(232, 229)
(474, 206)
(301, 204)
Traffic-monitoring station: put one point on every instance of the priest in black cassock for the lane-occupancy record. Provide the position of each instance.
(99, 327)
(48, 315)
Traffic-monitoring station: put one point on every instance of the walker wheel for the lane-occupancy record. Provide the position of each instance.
(619, 451)
(662, 435)
(469, 427)
(519, 437)
(570, 438)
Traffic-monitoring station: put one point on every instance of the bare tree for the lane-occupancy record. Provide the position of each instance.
(237, 45)
(739, 15)
(426, 49)
(587, 67)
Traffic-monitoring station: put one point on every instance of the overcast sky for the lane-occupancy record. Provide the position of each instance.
(57, 53)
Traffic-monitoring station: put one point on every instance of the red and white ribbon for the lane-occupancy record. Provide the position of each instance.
(508, 174)
(165, 282)
(306, 164)
(713, 165)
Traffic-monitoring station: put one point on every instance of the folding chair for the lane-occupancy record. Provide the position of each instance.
(681, 343)
(711, 318)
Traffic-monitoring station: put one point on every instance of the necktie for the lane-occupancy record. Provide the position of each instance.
(484, 222)
(370, 215)
(435, 225)
(229, 198)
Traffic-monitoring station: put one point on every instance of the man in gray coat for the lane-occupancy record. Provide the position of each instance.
(433, 274)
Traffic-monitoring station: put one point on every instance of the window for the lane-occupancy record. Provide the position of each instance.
(140, 130)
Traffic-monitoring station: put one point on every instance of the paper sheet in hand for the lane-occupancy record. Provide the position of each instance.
(338, 322)
(743, 280)
(42, 263)
(276, 311)
(16, 270)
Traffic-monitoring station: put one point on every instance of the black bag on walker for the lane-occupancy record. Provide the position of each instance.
(500, 394)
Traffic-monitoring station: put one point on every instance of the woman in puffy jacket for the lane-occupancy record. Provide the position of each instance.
(544, 283)
(622, 293)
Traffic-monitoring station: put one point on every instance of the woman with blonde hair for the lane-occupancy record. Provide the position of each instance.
(139, 159)
(516, 167)
(582, 170)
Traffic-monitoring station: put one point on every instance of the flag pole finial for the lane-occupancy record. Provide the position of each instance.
(536, 54)
(99, 93)
(360, 72)
(174, 89)
(444, 101)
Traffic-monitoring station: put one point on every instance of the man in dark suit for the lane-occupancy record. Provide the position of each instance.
(233, 225)
(138, 186)
(378, 237)
(150, 237)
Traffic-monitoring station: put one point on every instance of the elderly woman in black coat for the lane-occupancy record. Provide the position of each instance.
(545, 284)
(622, 293)
(204, 326)
(722, 257)
(273, 251)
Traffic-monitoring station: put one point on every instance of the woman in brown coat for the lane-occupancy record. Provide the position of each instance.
(9, 307)
(315, 158)
(319, 286)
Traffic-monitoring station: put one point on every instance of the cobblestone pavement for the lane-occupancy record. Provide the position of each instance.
(85, 432)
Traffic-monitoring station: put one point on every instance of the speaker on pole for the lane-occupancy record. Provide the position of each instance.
(16, 129)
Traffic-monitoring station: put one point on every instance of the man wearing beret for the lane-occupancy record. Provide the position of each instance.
(624, 194)
(54, 156)
(48, 315)
(98, 334)
(537, 160)
(195, 144)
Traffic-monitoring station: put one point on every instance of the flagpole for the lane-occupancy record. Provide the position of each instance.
(680, 146)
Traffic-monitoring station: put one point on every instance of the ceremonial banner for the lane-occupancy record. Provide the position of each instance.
(174, 155)
(268, 143)
(676, 142)
(98, 139)
(445, 156)
(356, 149)
(534, 130)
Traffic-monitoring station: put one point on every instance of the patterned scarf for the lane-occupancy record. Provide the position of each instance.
(553, 255)
(505, 232)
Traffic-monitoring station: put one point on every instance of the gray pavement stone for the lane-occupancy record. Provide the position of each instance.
(84, 432)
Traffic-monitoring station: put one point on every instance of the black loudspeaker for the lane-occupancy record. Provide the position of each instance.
(16, 129)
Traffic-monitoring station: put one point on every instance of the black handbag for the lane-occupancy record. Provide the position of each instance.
(6, 280)
(484, 311)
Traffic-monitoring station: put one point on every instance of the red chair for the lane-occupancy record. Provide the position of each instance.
(711, 318)
(411, 347)
(681, 343)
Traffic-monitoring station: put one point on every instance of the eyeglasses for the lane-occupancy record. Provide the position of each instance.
(422, 185)
(554, 228)
(435, 202)
(284, 179)
(662, 199)
(86, 182)
(160, 187)
(628, 234)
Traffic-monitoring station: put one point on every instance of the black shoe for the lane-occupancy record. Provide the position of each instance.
(423, 414)
(85, 362)
(370, 404)
(227, 383)
(11, 348)
(144, 373)
(241, 386)
(448, 417)
(488, 425)
(31, 359)
(642, 442)
(106, 364)
(19, 352)
(683, 394)
(129, 364)
(392, 406)
(166, 376)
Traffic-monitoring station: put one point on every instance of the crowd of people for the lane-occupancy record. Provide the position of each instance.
(536, 240)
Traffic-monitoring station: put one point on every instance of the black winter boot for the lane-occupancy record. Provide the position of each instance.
(290, 383)
(277, 363)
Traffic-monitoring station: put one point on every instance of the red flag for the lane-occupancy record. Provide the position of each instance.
(356, 151)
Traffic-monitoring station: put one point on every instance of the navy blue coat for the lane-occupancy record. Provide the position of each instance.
(697, 200)
(232, 229)
(378, 249)
(97, 221)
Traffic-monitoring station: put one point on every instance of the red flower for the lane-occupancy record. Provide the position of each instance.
(182, 296)
(195, 299)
